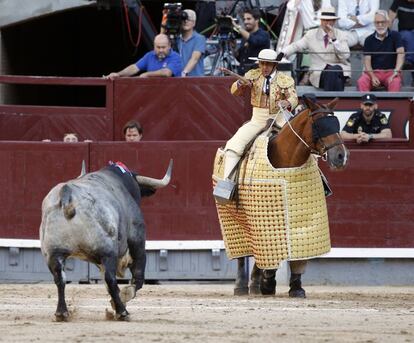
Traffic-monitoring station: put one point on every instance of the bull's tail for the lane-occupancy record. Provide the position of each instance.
(66, 202)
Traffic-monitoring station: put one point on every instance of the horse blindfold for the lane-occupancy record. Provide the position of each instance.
(324, 127)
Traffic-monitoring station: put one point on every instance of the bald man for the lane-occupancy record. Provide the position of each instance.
(160, 62)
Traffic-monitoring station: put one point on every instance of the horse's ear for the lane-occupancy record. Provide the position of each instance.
(310, 104)
(332, 104)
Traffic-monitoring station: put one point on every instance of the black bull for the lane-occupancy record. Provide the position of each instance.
(97, 218)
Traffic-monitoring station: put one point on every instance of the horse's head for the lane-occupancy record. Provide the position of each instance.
(326, 140)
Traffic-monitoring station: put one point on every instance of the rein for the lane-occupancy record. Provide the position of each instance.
(315, 113)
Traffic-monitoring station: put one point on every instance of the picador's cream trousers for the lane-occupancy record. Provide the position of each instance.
(282, 87)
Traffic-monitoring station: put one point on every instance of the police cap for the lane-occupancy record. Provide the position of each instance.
(369, 99)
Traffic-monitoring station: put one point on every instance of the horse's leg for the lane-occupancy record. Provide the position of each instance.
(255, 280)
(297, 268)
(241, 285)
(268, 282)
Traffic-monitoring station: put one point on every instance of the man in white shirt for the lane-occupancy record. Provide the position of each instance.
(308, 11)
(329, 53)
(357, 17)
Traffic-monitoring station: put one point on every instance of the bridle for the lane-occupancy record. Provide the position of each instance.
(327, 115)
(328, 127)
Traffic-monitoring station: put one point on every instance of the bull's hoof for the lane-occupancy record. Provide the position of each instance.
(124, 316)
(268, 287)
(127, 293)
(241, 291)
(62, 316)
(255, 289)
(297, 293)
(113, 305)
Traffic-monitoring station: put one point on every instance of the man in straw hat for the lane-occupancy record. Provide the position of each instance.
(271, 92)
(329, 53)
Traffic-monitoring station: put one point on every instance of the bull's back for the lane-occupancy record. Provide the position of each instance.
(81, 217)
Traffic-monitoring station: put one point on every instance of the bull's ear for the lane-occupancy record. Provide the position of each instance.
(332, 104)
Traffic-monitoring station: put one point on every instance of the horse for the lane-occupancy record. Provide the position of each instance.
(315, 130)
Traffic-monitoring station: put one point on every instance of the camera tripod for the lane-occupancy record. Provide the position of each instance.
(224, 57)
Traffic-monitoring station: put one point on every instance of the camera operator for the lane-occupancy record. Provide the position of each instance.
(191, 46)
(254, 39)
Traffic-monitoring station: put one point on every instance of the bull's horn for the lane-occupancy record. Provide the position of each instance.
(156, 183)
(83, 170)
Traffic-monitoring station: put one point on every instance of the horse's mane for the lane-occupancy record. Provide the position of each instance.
(293, 121)
(306, 110)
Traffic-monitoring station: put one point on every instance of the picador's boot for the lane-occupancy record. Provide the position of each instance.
(268, 282)
(224, 190)
(296, 290)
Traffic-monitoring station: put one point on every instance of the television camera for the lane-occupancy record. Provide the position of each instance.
(174, 16)
(224, 26)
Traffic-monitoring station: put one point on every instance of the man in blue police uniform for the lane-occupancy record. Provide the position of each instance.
(368, 123)
(161, 62)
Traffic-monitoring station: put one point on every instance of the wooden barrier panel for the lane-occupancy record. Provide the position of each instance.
(37, 116)
(29, 170)
(180, 108)
(371, 206)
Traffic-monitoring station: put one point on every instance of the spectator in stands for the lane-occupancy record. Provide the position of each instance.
(329, 51)
(132, 131)
(70, 137)
(382, 69)
(368, 123)
(357, 17)
(309, 11)
(192, 47)
(254, 39)
(404, 11)
(162, 61)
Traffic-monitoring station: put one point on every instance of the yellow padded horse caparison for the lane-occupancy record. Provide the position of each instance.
(282, 213)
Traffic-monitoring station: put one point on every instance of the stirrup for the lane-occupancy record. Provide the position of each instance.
(224, 191)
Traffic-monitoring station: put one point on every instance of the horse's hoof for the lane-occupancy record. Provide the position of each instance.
(297, 293)
(268, 287)
(254, 290)
(62, 316)
(241, 291)
(266, 291)
(124, 316)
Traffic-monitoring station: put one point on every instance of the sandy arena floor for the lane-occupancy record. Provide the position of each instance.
(182, 312)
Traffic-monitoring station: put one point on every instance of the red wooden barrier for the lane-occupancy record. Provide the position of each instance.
(371, 206)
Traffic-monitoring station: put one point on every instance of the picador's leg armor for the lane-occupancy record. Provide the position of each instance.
(224, 190)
